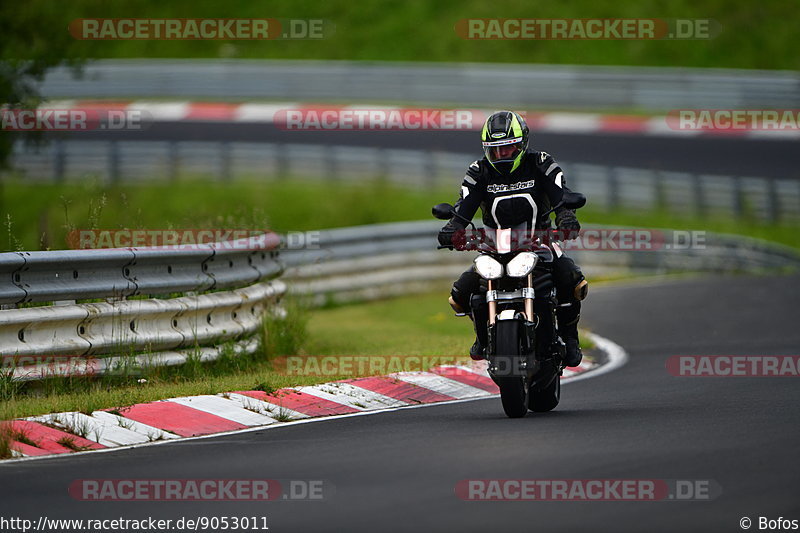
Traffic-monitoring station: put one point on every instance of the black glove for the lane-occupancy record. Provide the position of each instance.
(446, 235)
(567, 224)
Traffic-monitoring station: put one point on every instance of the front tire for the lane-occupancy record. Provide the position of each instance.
(546, 398)
(513, 393)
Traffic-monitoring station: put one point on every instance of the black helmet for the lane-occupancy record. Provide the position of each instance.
(502, 131)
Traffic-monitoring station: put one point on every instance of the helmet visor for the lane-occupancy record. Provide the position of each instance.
(504, 150)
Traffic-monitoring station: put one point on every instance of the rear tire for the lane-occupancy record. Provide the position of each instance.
(545, 399)
(512, 388)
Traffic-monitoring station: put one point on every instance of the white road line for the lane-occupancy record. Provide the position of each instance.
(228, 409)
(161, 111)
(100, 430)
(570, 122)
(152, 433)
(266, 408)
(616, 358)
(352, 396)
(262, 112)
(441, 384)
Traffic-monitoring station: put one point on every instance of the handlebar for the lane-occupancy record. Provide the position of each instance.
(479, 244)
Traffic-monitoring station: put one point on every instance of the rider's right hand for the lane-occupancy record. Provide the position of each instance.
(446, 235)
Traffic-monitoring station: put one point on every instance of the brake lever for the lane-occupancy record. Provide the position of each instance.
(559, 204)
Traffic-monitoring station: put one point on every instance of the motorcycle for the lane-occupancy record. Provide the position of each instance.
(525, 353)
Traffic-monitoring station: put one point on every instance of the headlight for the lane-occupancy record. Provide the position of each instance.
(521, 265)
(488, 267)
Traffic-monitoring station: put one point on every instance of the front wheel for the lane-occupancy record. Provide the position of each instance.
(513, 391)
(541, 400)
(512, 394)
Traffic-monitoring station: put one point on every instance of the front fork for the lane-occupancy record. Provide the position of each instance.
(527, 294)
(528, 341)
(492, 303)
(547, 312)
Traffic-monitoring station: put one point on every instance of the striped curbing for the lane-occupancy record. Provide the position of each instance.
(195, 416)
(275, 113)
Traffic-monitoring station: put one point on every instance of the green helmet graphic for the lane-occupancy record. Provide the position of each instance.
(505, 139)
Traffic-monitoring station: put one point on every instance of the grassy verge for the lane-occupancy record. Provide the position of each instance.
(415, 330)
(40, 216)
(760, 33)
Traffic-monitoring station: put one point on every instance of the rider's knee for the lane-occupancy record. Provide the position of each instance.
(455, 305)
(463, 289)
(581, 290)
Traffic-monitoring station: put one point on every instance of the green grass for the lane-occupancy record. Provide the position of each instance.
(421, 324)
(412, 325)
(40, 216)
(753, 34)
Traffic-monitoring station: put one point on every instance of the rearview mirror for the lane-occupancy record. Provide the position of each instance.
(442, 211)
(573, 200)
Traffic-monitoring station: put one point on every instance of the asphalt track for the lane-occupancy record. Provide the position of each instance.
(715, 154)
(396, 471)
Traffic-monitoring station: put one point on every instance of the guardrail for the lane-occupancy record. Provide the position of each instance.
(375, 261)
(610, 187)
(168, 330)
(344, 264)
(540, 86)
(123, 272)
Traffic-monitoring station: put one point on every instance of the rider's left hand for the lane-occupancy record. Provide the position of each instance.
(567, 224)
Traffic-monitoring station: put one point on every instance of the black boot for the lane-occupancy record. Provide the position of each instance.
(479, 314)
(478, 351)
(568, 317)
(574, 354)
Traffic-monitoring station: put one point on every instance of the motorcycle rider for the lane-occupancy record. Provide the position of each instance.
(512, 184)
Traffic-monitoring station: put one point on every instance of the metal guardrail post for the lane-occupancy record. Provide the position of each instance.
(738, 197)
(382, 162)
(431, 170)
(59, 161)
(113, 162)
(660, 191)
(699, 195)
(282, 162)
(225, 161)
(613, 188)
(173, 161)
(331, 163)
(773, 208)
